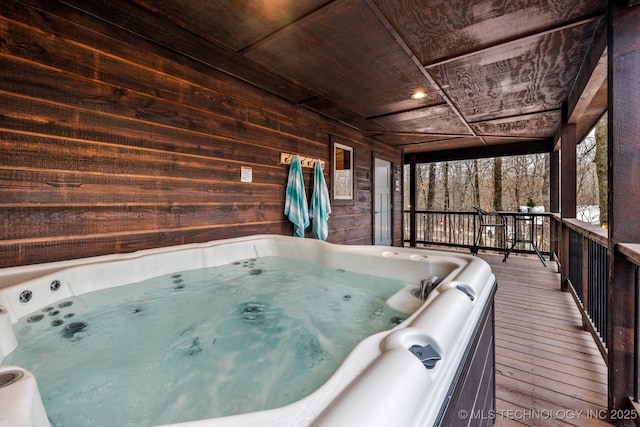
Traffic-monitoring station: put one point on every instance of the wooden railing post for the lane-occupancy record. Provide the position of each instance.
(585, 276)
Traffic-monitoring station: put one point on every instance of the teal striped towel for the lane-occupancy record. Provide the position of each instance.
(320, 204)
(295, 204)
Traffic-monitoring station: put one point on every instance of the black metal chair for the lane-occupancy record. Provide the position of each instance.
(491, 227)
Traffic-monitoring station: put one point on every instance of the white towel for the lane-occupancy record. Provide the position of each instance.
(320, 204)
(295, 204)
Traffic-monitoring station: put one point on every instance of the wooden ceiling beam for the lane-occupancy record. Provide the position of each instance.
(500, 150)
(591, 77)
(518, 40)
(396, 35)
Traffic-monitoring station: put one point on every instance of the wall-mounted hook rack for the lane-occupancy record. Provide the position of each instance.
(305, 162)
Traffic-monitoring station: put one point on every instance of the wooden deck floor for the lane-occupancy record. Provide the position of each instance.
(548, 369)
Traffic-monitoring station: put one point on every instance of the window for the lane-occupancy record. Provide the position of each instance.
(342, 172)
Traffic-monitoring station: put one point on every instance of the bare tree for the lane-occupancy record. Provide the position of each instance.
(545, 183)
(432, 186)
(422, 180)
(431, 191)
(497, 194)
(504, 183)
(586, 182)
(475, 178)
(445, 179)
(601, 168)
(523, 178)
(497, 184)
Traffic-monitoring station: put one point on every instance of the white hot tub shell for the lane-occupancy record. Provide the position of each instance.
(380, 383)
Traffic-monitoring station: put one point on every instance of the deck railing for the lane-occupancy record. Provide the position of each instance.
(459, 229)
(587, 259)
(584, 260)
(588, 264)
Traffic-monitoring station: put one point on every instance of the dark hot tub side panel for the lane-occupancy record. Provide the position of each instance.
(472, 397)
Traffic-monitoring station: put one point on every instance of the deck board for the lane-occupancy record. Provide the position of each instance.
(549, 371)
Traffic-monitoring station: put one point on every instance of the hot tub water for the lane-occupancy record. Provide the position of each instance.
(255, 334)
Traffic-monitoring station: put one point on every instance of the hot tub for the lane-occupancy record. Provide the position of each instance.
(435, 368)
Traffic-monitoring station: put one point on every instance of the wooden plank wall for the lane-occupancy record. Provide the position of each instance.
(113, 145)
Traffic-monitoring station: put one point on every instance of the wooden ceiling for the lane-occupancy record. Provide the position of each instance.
(495, 72)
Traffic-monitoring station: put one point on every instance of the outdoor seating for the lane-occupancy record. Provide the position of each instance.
(524, 232)
(498, 226)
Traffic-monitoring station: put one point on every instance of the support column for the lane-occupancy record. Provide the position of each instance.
(568, 166)
(412, 200)
(554, 203)
(624, 189)
(567, 195)
(554, 181)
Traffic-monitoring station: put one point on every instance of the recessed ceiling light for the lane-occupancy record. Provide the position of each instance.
(418, 94)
